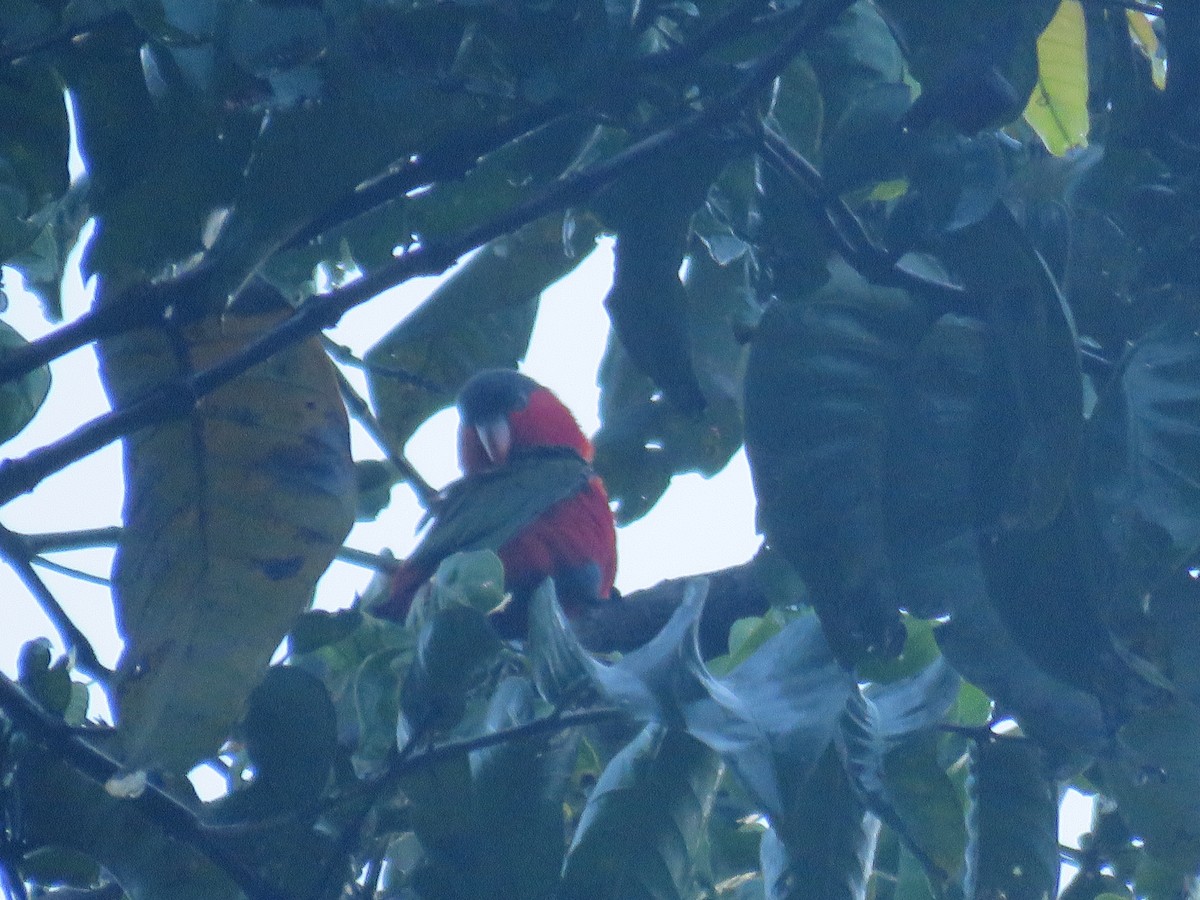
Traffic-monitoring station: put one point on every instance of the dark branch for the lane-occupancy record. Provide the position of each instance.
(361, 411)
(18, 555)
(180, 822)
(632, 621)
(177, 399)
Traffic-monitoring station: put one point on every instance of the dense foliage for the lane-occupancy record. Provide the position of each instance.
(935, 263)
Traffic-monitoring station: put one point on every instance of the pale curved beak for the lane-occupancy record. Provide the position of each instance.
(496, 437)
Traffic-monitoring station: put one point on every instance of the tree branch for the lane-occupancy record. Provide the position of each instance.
(178, 398)
(634, 619)
(178, 821)
(873, 262)
(361, 411)
(16, 552)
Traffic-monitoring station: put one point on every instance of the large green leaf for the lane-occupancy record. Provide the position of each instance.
(453, 648)
(1154, 774)
(1013, 823)
(643, 826)
(821, 381)
(825, 846)
(480, 318)
(1057, 108)
(1144, 449)
(231, 515)
(643, 442)
(770, 719)
(651, 209)
(979, 645)
(505, 837)
(19, 399)
(1037, 413)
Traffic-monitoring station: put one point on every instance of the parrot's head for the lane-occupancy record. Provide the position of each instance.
(503, 411)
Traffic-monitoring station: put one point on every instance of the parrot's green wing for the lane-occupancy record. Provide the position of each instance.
(483, 511)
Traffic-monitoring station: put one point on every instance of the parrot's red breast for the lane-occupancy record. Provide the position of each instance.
(528, 493)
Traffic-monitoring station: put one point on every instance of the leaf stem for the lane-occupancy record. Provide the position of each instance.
(14, 549)
(361, 411)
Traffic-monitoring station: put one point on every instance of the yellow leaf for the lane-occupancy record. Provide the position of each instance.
(231, 515)
(1147, 41)
(1057, 108)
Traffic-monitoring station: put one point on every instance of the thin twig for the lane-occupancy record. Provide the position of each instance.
(176, 399)
(411, 759)
(14, 550)
(361, 411)
(71, 572)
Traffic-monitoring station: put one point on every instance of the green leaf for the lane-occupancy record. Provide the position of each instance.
(499, 832)
(792, 692)
(917, 703)
(851, 56)
(20, 399)
(1144, 448)
(821, 380)
(980, 647)
(36, 137)
(651, 208)
(865, 145)
(644, 823)
(376, 696)
(518, 791)
(290, 733)
(479, 318)
(1012, 825)
(231, 515)
(1155, 777)
(453, 648)
(1040, 415)
(643, 442)
(1057, 108)
(825, 847)
(927, 803)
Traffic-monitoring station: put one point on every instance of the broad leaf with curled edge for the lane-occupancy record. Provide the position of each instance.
(481, 317)
(770, 719)
(21, 398)
(231, 515)
(1012, 823)
(644, 441)
(1040, 401)
(909, 792)
(1144, 452)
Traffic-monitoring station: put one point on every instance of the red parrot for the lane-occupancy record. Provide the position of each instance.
(527, 492)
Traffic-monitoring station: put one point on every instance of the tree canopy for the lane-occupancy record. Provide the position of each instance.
(935, 264)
